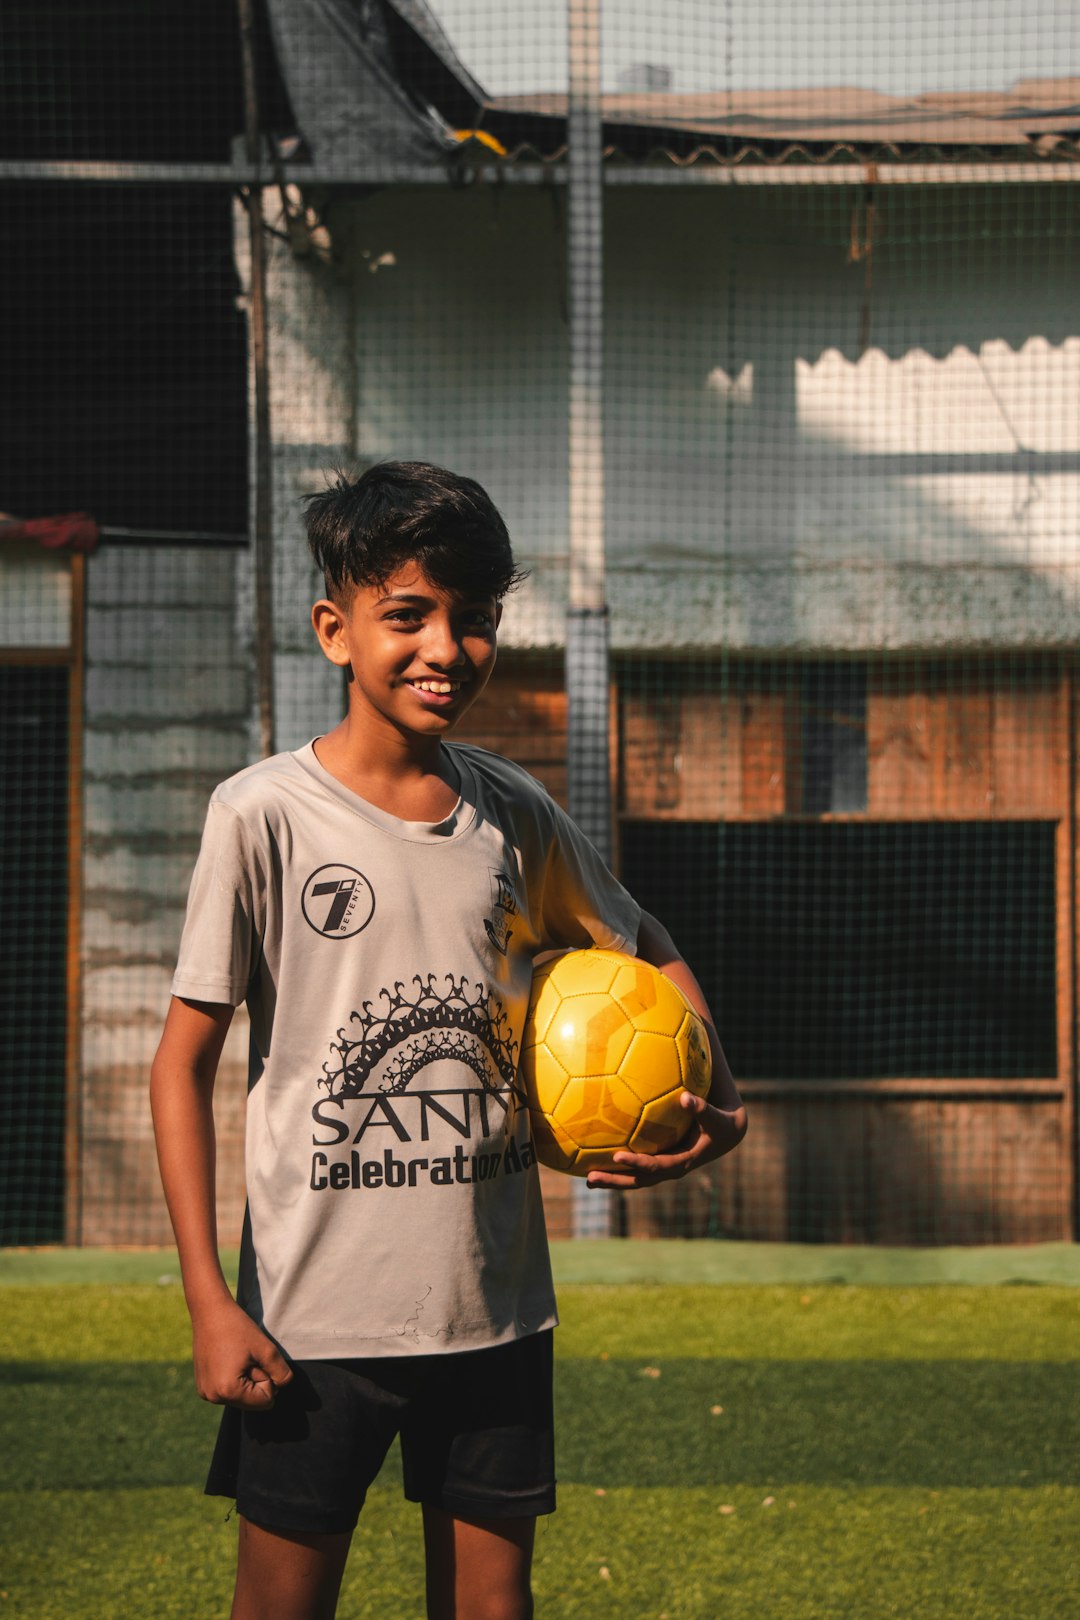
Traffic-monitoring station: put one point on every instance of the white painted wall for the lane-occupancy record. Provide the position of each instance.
(768, 487)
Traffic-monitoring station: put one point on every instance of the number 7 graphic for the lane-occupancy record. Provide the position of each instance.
(343, 889)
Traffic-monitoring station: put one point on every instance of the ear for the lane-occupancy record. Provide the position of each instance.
(328, 622)
(498, 614)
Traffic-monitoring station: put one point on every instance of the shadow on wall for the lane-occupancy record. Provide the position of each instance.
(900, 1172)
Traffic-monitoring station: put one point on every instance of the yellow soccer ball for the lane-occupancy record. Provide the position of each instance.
(609, 1046)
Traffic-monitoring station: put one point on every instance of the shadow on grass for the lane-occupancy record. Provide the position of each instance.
(940, 1423)
(933, 1423)
(97, 1425)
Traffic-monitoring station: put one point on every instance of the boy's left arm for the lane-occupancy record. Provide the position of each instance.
(716, 1124)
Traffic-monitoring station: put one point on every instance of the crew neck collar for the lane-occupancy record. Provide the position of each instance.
(454, 825)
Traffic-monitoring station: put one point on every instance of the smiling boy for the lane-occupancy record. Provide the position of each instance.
(377, 898)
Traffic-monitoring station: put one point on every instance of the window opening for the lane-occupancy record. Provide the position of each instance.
(863, 950)
(833, 738)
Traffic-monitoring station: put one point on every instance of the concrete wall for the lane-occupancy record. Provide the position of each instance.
(311, 412)
(168, 694)
(770, 485)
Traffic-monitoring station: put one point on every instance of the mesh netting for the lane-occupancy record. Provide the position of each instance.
(776, 384)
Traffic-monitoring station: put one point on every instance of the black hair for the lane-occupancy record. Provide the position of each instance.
(362, 530)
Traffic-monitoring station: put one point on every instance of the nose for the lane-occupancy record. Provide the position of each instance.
(442, 646)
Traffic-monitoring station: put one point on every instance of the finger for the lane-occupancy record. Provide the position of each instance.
(604, 1179)
(273, 1363)
(686, 1154)
(649, 1162)
(260, 1389)
(641, 1170)
(630, 1183)
(261, 1392)
(253, 1398)
(710, 1122)
(257, 1384)
(234, 1395)
(254, 1390)
(645, 1170)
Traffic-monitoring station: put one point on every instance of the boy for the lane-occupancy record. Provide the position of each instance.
(377, 898)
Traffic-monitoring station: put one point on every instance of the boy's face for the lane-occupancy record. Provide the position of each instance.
(419, 655)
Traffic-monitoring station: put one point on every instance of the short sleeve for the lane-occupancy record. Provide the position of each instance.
(583, 904)
(226, 912)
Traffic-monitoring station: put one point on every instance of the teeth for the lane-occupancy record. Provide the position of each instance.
(442, 687)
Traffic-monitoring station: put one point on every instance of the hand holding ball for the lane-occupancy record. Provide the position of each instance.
(610, 1045)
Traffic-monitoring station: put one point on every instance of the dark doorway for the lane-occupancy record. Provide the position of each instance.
(33, 950)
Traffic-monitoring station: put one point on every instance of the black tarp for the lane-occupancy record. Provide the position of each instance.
(371, 81)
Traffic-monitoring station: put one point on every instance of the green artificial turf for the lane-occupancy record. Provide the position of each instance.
(724, 1451)
(626, 1260)
(76, 1322)
(789, 1553)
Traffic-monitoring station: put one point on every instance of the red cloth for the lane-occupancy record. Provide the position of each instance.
(71, 531)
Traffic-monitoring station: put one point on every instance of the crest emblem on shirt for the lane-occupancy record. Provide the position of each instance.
(337, 901)
(503, 911)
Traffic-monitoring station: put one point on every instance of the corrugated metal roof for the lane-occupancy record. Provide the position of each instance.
(1035, 118)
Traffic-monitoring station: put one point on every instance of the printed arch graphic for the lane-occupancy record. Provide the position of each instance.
(439, 1018)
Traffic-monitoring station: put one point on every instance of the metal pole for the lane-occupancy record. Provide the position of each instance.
(262, 509)
(587, 638)
(588, 745)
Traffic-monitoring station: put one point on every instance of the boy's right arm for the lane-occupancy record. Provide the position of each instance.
(235, 1363)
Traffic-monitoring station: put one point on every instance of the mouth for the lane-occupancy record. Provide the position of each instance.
(436, 692)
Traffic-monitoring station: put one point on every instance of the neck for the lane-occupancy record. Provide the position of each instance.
(373, 758)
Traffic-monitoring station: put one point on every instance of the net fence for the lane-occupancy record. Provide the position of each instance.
(760, 324)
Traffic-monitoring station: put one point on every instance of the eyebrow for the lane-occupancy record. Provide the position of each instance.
(411, 599)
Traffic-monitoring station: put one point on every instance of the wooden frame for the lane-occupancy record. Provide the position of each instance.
(958, 738)
(928, 1088)
(1068, 1015)
(73, 1045)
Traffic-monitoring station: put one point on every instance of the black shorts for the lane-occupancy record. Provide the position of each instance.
(476, 1438)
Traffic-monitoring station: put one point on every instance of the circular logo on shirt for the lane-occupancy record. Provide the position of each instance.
(338, 901)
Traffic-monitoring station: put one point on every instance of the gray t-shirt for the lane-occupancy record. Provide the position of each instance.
(393, 1202)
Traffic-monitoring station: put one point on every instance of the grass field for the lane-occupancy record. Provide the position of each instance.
(724, 1451)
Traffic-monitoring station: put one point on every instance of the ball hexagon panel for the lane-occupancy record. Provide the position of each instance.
(553, 1146)
(592, 1159)
(663, 1123)
(598, 1113)
(634, 987)
(545, 1077)
(652, 1065)
(582, 973)
(589, 1035)
(545, 1002)
(659, 1014)
(693, 1047)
